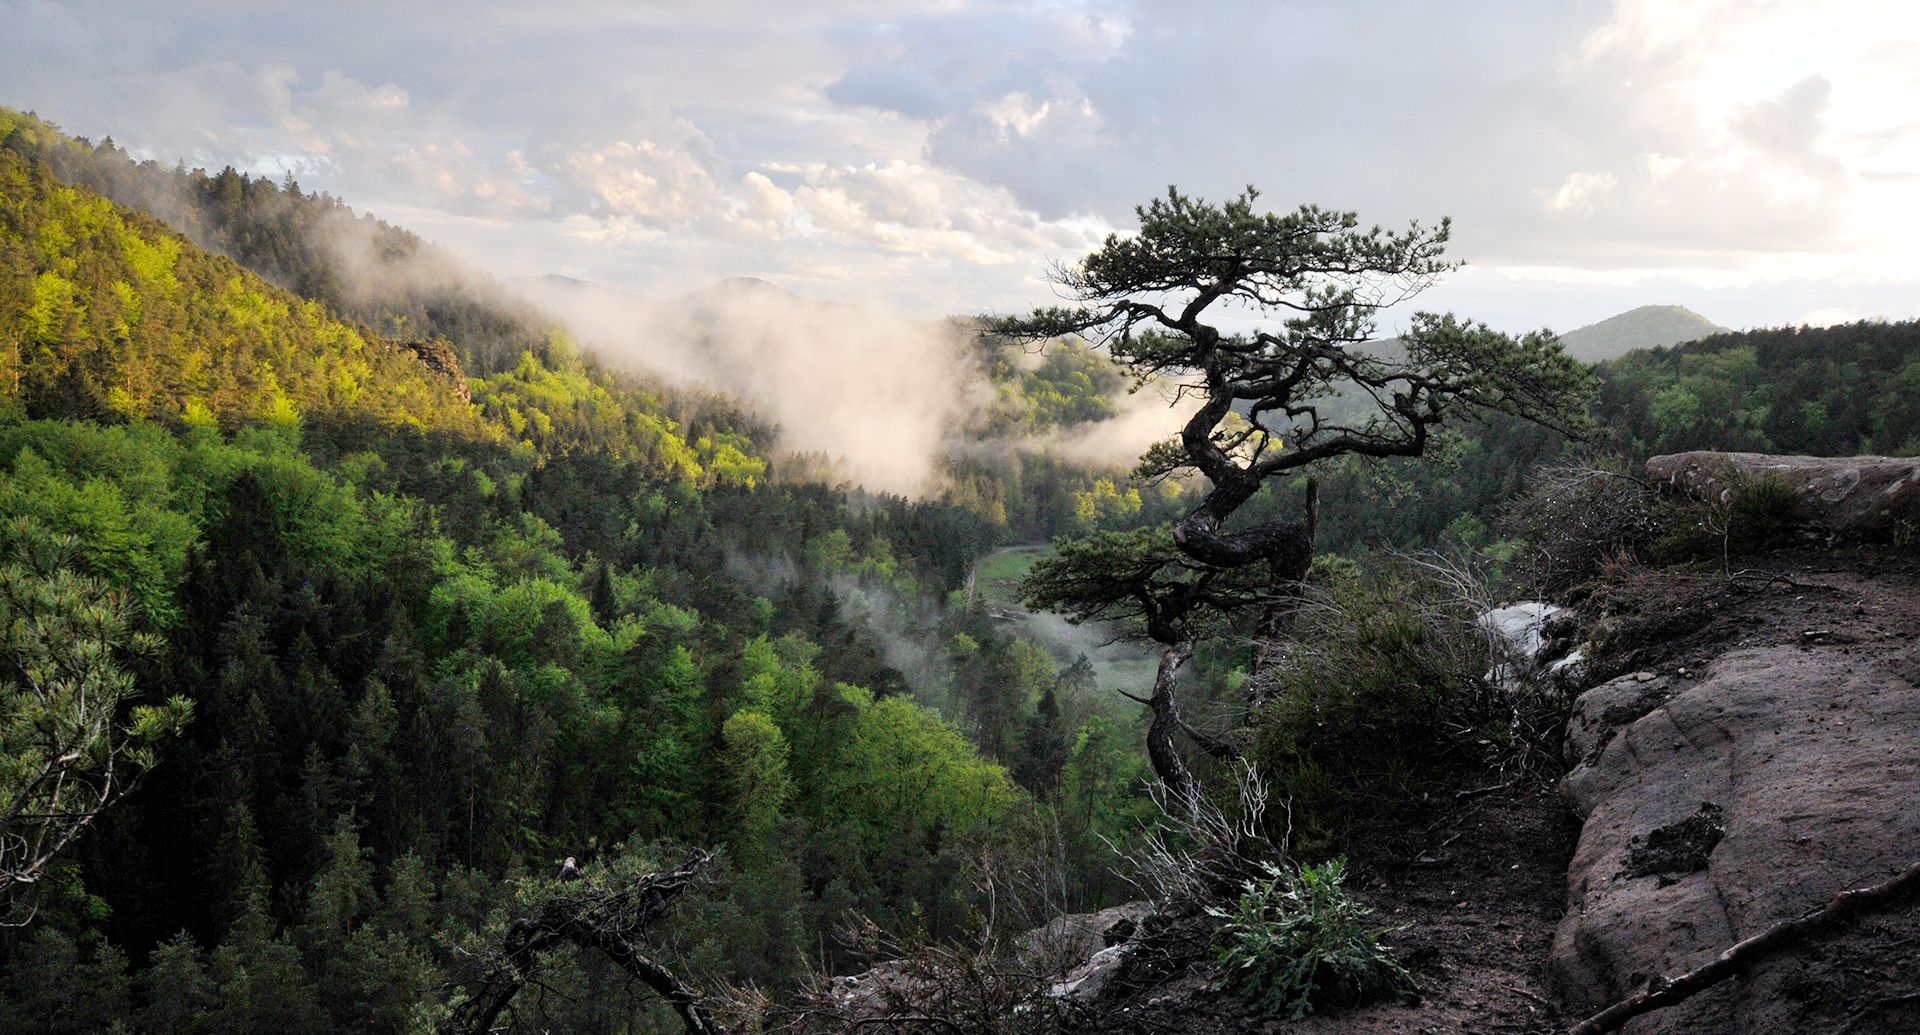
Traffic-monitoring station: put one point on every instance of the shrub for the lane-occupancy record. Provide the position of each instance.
(1750, 515)
(1577, 518)
(1379, 696)
(1296, 941)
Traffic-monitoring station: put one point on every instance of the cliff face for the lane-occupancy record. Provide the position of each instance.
(1760, 754)
(438, 355)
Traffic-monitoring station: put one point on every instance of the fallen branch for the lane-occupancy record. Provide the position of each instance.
(605, 912)
(1663, 992)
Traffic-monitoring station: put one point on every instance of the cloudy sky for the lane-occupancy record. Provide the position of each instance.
(1756, 161)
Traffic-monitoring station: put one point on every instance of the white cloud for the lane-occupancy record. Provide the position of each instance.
(1579, 192)
(939, 154)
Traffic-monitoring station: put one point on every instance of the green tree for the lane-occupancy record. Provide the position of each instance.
(1273, 400)
(72, 742)
(758, 785)
(178, 991)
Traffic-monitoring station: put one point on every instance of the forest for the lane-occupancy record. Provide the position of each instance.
(403, 596)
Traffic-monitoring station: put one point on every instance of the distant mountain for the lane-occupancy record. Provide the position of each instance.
(1648, 327)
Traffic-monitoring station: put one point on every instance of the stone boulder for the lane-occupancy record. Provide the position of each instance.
(1532, 641)
(1080, 953)
(1719, 805)
(1070, 940)
(1867, 496)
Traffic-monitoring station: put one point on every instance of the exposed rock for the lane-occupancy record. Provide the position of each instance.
(1521, 627)
(1533, 640)
(1869, 496)
(1719, 805)
(1089, 979)
(1610, 707)
(1081, 952)
(1076, 937)
(438, 356)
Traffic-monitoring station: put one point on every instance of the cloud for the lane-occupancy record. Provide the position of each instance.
(938, 155)
(1579, 191)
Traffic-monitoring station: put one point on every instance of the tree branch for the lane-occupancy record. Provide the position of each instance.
(1663, 992)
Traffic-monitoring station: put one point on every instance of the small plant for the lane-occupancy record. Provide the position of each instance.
(1750, 514)
(1296, 941)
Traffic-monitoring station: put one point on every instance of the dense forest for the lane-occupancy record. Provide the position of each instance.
(444, 618)
(450, 600)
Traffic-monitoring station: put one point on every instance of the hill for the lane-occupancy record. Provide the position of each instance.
(373, 273)
(106, 313)
(1648, 327)
(432, 643)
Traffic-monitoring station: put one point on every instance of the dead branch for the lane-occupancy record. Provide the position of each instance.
(1663, 992)
(608, 914)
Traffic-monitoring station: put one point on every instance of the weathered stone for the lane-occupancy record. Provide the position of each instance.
(1872, 496)
(1806, 760)
(1067, 941)
(1088, 980)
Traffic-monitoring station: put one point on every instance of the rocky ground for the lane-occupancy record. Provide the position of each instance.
(1473, 896)
(1782, 693)
(1756, 752)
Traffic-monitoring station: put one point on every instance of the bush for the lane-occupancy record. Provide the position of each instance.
(1577, 518)
(1378, 698)
(1296, 941)
(1751, 515)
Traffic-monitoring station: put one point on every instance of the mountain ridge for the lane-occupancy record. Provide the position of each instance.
(1642, 327)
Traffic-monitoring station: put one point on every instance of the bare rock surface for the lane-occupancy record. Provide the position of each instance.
(1861, 495)
(1726, 797)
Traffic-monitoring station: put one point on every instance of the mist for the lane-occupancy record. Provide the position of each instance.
(1152, 414)
(882, 396)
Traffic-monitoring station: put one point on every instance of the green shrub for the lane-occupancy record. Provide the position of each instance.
(1751, 515)
(1378, 698)
(1296, 941)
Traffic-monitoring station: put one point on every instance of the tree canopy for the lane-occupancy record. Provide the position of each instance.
(1310, 385)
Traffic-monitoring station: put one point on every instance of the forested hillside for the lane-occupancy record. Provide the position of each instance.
(440, 629)
(1828, 391)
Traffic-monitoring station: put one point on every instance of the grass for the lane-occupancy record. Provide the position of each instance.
(997, 577)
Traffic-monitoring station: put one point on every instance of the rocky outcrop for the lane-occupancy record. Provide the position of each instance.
(1865, 496)
(1079, 954)
(1719, 805)
(438, 355)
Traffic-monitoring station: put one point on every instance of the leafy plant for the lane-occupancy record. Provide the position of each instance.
(1296, 941)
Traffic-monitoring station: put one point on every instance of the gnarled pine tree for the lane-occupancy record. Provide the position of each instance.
(1272, 400)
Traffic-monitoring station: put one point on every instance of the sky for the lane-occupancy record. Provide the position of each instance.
(1756, 161)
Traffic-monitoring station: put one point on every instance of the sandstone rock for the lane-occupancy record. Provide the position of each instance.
(1521, 627)
(1718, 806)
(1532, 640)
(1872, 496)
(1089, 979)
(1067, 941)
(1081, 951)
